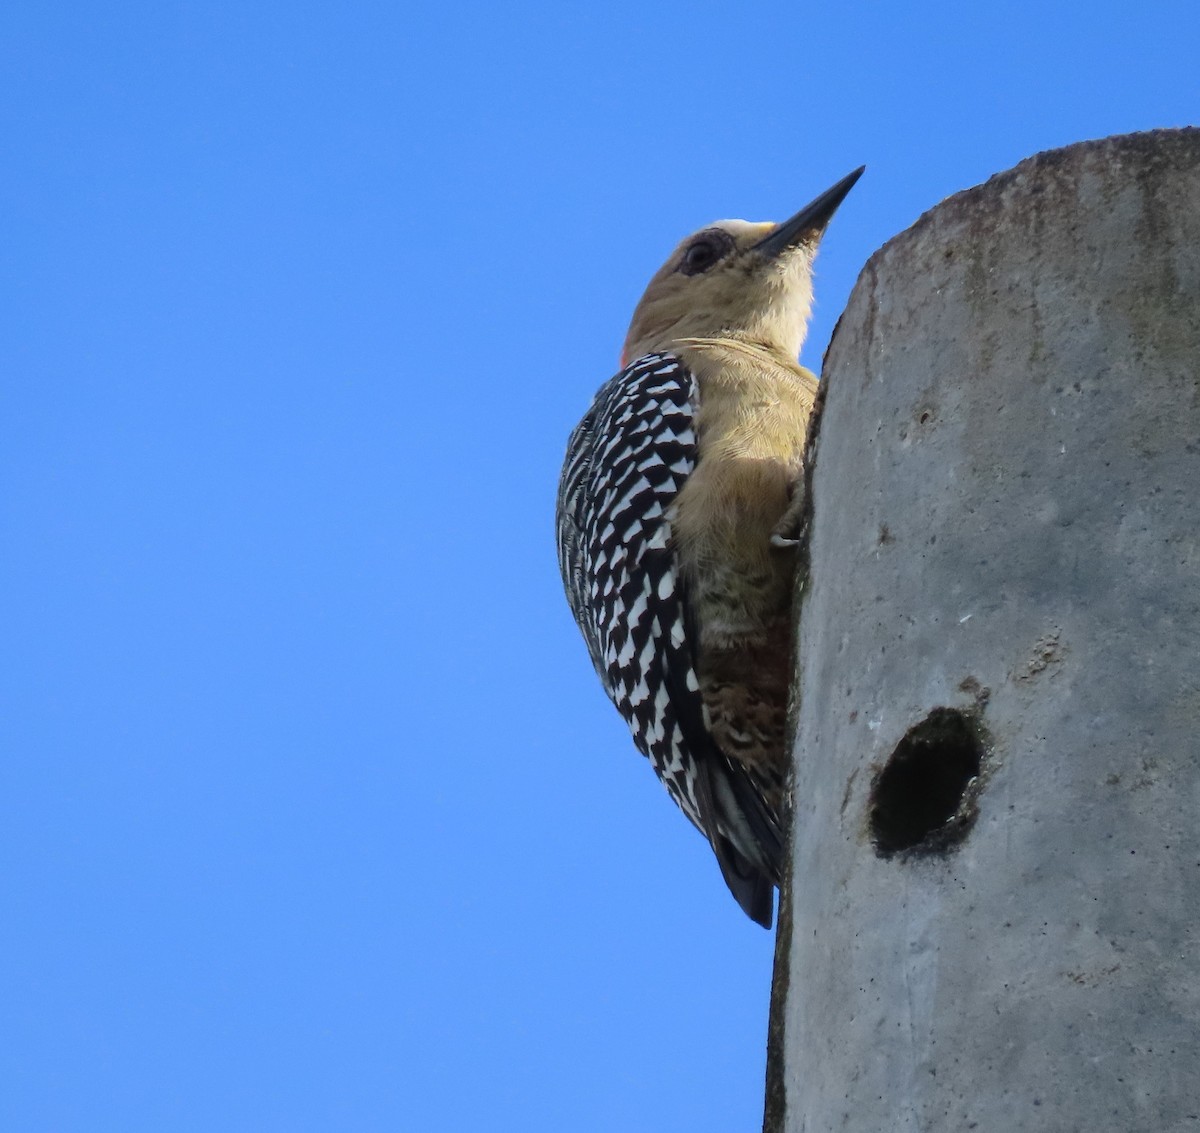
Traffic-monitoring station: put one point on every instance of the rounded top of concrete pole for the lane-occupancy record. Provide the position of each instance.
(1085, 172)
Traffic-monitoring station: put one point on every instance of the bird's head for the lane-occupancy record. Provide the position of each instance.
(737, 280)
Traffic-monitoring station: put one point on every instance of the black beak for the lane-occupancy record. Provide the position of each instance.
(810, 221)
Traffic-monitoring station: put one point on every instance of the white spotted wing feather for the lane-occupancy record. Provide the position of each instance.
(626, 463)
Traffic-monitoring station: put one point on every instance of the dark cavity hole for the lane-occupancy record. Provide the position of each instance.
(924, 798)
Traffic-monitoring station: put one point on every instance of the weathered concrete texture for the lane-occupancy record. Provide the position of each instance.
(1007, 521)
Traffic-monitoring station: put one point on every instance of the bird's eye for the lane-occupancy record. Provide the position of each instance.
(700, 256)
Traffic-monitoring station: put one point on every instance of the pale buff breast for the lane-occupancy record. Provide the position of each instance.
(751, 426)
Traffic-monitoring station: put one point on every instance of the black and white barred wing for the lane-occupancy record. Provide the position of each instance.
(626, 463)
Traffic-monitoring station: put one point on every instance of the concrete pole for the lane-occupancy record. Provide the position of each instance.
(995, 899)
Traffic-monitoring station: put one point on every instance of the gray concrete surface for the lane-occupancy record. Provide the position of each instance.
(1006, 522)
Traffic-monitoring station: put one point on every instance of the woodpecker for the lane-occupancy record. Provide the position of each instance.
(677, 514)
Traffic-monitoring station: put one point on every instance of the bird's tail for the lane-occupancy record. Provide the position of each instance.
(744, 835)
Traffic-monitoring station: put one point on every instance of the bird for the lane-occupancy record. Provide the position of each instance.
(677, 522)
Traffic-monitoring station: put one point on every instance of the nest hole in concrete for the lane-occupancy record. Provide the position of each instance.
(923, 801)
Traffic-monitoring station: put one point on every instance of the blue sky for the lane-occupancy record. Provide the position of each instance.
(312, 813)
